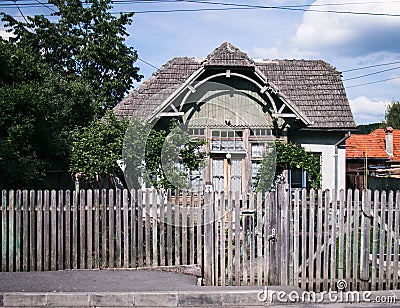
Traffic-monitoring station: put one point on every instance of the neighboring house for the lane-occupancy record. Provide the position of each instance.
(239, 104)
(378, 153)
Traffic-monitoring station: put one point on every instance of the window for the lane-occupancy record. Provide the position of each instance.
(196, 131)
(227, 140)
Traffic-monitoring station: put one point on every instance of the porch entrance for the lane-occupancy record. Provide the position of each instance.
(227, 173)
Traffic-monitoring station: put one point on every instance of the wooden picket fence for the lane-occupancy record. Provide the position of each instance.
(317, 240)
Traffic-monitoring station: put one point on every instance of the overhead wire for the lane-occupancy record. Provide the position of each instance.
(234, 6)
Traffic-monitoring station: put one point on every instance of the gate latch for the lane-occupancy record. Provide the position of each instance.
(271, 237)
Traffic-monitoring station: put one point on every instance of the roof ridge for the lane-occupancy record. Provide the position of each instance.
(228, 55)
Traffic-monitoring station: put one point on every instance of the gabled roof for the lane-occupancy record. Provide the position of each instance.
(313, 86)
(373, 145)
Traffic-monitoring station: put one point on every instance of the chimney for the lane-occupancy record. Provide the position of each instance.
(389, 140)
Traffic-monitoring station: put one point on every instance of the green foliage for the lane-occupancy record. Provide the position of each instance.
(288, 156)
(96, 148)
(266, 173)
(57, 75)
(35, 120)
(147, 153)
(368, 128)
(84, 41)
(170, 155)
(393, 115)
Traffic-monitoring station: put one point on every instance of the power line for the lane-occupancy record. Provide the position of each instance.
(370, 66)
(374, 73)
(153, 66)
(233, 6)
(372, 82)
(20, 11)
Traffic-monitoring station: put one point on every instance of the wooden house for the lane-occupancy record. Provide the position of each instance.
(239, 104)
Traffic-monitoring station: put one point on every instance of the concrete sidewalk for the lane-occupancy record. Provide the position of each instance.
(148, 288)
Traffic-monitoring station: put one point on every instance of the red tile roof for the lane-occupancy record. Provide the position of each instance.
(373, 145)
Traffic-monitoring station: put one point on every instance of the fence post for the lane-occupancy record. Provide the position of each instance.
(365, 240)
(283, 204)
(208, 240)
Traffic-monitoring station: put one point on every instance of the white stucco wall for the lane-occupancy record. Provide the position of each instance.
(324, 143)
(329, 165)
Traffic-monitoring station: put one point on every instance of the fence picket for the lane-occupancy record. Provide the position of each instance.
(111, 226)
(177, 231)
(303, 239)
(341, 235)
(125, 209)
(11, 234)
(18, 248)
(39, 231)
(375, 240)
(68, 232)
(82, 229)
(296, 237)
(25, 231)
(326, 242)
(311, 248)
(318, 257)
(134, 224)
(89, 226)
(96, 228)
(268, 237)
(184, 228)
(355, 238)
(396, 242)
(389, 242)
(147, 226)
(32, 225)
(259, 238)
(104, 228)
(60, 233)
(169, 228)
(229, 210)
(153, 213)
(221, 216)
(365, 240)
(118, 229)
(382, 241)
(349, 214)
(53, 229)
(140, 227)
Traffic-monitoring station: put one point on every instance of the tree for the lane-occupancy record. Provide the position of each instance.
(55, 76)
(289, 156)
(84, 42)
(146, 153)
(393, 115)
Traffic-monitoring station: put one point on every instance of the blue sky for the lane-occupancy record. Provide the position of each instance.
(367, 36)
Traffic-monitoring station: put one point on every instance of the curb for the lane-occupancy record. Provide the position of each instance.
(199, 298)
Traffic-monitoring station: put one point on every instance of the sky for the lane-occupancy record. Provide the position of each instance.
(361, 38)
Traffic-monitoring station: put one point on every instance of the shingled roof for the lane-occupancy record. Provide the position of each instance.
(373, 145)
(314, 86)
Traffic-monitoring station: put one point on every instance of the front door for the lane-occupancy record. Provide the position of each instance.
(227, 173)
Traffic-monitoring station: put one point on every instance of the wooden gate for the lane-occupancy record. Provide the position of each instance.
(246, 238)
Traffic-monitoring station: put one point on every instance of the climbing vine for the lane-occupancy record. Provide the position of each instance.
(290, 156)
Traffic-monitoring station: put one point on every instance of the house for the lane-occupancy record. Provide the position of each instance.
(376, 154)
(240, 104)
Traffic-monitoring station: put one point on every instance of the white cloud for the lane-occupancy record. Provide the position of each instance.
(350, 34)
(366, 110)
(6, 35)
